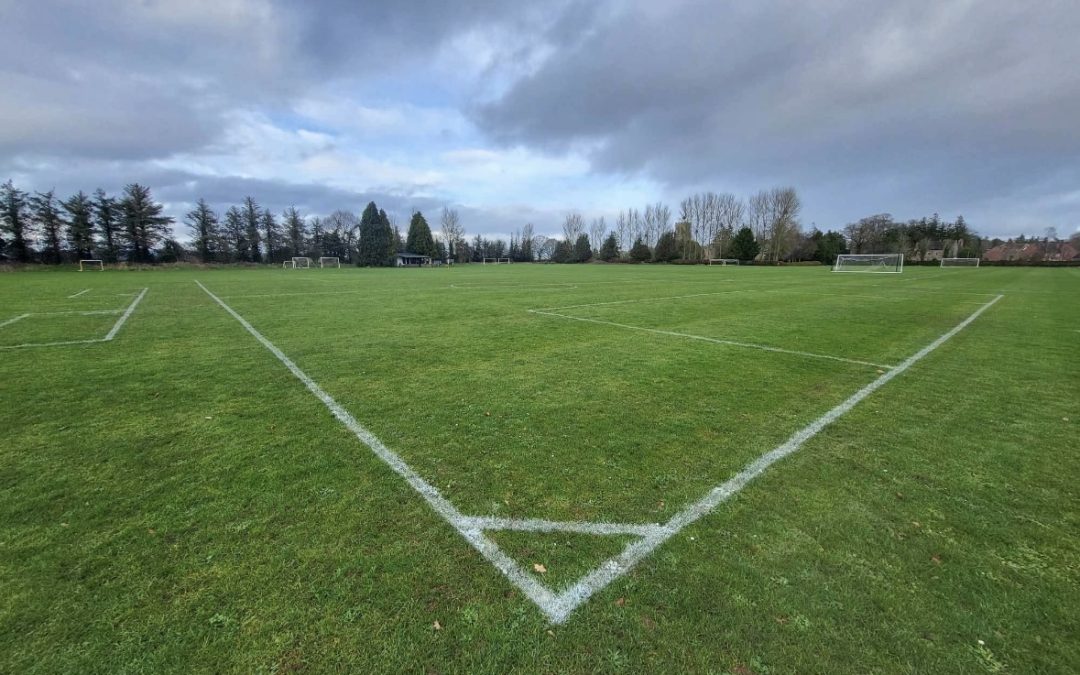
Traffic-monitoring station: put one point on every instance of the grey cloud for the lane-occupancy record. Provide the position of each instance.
(914, 105)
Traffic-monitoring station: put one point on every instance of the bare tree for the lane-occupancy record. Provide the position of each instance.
(453, 233)
(573, 226)
(783, 223)
(597, 232)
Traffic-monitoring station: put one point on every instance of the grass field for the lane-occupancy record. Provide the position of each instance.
(173, 497)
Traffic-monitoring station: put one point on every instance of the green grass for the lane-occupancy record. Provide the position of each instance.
(175, 500)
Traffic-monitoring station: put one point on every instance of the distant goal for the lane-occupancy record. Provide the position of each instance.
(882, 263)
(959, 262)
(300, 262)
(723, 261)
(96, 265)
(496, 261)
(329, 261)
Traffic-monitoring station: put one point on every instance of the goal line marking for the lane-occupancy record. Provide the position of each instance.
(62, 343)
(719, 341)
(13, 319)
(85, 290)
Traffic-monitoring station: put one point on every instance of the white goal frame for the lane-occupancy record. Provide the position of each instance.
(959, 262)
(495, 261)
(879, 263)
(100, 265)
(301, 262)
(329, 260)
(288, 265)
(723, 261)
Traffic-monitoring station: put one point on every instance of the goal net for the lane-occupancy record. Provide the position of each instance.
(329, 261)
(889, 263)
(98, 265)
(959, 262)
(723, 261)
(288, 265)
(301, 262)
(496, 261)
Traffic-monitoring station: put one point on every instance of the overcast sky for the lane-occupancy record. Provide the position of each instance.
(516, 112)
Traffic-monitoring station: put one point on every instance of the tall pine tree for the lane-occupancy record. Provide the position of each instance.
(252, 214)
(294, 231)
(107, 224)
(271, 234)
(144, 226)
(203, 223)
(419, 239)
(15, 220)
(80, 225)
(48, 219)
(234, 234)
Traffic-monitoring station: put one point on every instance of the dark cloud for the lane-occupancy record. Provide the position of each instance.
(903, 106)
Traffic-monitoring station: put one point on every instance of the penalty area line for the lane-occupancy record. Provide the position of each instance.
(85, 290)
(594, 581)
(13, 319)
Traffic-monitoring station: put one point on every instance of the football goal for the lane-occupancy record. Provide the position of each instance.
(329, 261)
(889, 263)
(959, 262)
(496, 261)
(723, 261)
(288, 265)
(301, 262)
(98, 265)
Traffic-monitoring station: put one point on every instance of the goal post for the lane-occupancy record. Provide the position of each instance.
(959, 262)
(98, 265)
(288, 265)
(882, 263)
(723, 261)
(329, 261)
(496, 261)
(301, 262)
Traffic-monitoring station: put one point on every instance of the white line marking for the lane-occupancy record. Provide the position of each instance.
(540, 595)
(557, 607)
(538, 525)
(282, 295)
(13, 320)
(730, 343)
(53, 344)
(85, 290)
(124, 317)
(74, 312)
(582, 590)
(636, 300)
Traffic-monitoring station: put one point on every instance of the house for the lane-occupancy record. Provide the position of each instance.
(412, 260)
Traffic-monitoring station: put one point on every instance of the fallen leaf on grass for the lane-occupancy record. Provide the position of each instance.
(539, 568)
(936, 559)
(648, 623)
(620, 602)
(742, 670)
(437, 625)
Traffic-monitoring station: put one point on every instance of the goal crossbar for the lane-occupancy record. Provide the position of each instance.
(329, 261)
(300, 261)
(496, 261)
(723, 261)
(881, 263)
(98, 265)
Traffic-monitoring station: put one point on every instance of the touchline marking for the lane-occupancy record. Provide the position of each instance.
(471, 531)
(124, 317)
(13, 320)
(557, 607)
(583, 589)
(85, 290)
(730, 343)
(636, 300)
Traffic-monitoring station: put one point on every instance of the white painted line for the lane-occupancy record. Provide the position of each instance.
(491, 523)
(124, 317)
(85, 290)
(75, 312)
(533, 589)
(637, 300)
(53, 344)
(567, 601)
(730, 343)
(283, 295)
(13, 320)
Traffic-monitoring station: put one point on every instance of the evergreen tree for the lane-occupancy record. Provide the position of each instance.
(315, 247)
(562, 252)
(80, 230)
(107, 224)
(609, 251)
(667, 248)
(393, 239)
(234, 234)
(144, 226)
(15, 220)
(271, 234)
(743, 245)
(47, 216)
(377, 241)
(640, 252)
(294, 230)
(203, 223)
(252, 214)
(829, 245)
(419, 239)
(171, 251)
(582, 252)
